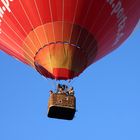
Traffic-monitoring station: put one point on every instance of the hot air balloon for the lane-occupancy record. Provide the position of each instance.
(61, 38)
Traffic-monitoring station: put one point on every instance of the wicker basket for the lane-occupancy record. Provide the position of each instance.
(61, 106)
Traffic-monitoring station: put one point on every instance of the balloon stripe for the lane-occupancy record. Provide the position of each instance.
(41, 20)
(53, 34)
(63, 3)
(84, 20)
(73, 20)
(29, 20)
(23, 30)
(17, 45)
(14, 52)
(95, 21)
(52, 20)
(16, 34)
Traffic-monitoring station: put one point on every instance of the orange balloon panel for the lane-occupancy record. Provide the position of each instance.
(61, 38)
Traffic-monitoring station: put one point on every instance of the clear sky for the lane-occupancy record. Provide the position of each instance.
(108, 100)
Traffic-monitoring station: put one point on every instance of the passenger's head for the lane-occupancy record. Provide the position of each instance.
(60, 89)
(71, 88)
(58, 86)
(51, 91)
(63, 87)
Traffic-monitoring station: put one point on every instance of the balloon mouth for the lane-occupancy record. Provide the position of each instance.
(60, 61)
(58, 73)
(60, 50)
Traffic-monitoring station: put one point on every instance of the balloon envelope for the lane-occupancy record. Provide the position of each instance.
(61, 38)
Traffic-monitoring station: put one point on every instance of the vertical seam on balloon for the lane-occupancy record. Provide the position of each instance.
(40, 19)
(93, 24)
(52, 19)
(23, 30)
(103, 50)
(63, 21)
(84, 21)
(75, 11)
(82, 27)
(29, 21)
(93, 50)
(96, 34)
(90, 52)
(50, 60)
(53, 33)
(16, 52)
(17, 45)
(92, 28)
(63, 31)
(17, 35)
(14, 55)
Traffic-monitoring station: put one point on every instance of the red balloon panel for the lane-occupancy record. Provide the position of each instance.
(94, 27)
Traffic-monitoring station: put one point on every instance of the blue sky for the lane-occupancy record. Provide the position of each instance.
(108, 100)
